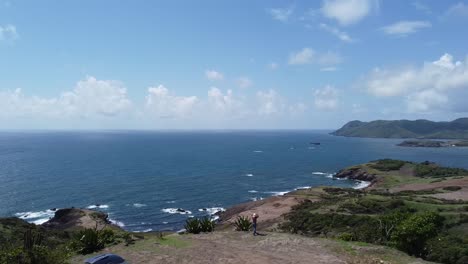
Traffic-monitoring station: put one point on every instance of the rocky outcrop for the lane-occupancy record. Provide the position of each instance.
(75, 218)
(356, 173)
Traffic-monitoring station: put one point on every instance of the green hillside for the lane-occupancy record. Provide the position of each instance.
(457, 129)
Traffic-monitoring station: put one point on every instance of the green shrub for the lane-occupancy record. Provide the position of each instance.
(346, 236)
(192, 225)
(91, 240)
(33, 251)
(448, 249)
(206, 225)
(426, 169)
(413, 232)
(196, 225)
(243, 223)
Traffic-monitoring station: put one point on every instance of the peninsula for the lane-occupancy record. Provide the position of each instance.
(421, 129)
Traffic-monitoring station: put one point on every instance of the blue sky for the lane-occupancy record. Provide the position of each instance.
(222, 65)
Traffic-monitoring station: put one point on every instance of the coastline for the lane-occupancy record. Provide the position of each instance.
(43, 216)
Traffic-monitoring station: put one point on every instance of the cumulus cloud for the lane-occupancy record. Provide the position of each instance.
(428, 87)
(308, 56)
(348, 12)
(281, 14)
(403, 28)
(326, 98)
(336, 32)
(160, 102)
(8, 33)
(225, 104)
(213, 75)
(89, 98)
(270, 103)
(304, 56)
(244, 82)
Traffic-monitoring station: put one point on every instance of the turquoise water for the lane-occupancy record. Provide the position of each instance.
(141, 178)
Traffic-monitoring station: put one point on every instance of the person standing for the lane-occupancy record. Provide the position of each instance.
(254, 220)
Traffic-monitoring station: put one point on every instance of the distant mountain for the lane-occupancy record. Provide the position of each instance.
(457, 129)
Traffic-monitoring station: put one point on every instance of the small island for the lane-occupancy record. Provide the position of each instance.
(433, 143)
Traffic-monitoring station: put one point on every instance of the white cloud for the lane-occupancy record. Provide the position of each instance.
(270, 103)
(213, 75)
(336, 32)
(403, 28)
(426, 100)
(244, 82)
(308, 56)
(161, 103)
(8, 33)
(326, 98)
(348, 12)
(421, 7)
(281, 14)
(304, 56)
(329, 58)
(90, 98)
(225, 104)
(427, 87)
(456, 10)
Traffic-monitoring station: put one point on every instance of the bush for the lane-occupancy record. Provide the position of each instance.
(91, 240)
(196, 225)
(243, 223)
(192, 225)
(412, 233)
(206, 225)
(433, 170)
(346, 236)
(448, 249)
(33, 251)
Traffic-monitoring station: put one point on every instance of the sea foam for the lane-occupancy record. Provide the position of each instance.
(38, 217)
(176, 211)
(212, 210)
(361, 185)
(98, 206)
(117, 223)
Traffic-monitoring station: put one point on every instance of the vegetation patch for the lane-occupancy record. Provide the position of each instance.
(429, 169)
(387, 164)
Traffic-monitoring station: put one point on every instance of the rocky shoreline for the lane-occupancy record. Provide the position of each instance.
(357, 174)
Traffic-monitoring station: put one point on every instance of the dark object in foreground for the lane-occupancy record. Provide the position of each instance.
(105, 259)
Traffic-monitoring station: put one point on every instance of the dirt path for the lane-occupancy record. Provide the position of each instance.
(240, 248)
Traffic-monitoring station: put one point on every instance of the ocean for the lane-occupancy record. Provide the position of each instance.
(142, 178)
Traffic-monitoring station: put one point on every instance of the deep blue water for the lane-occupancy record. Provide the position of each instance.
(135, 175)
